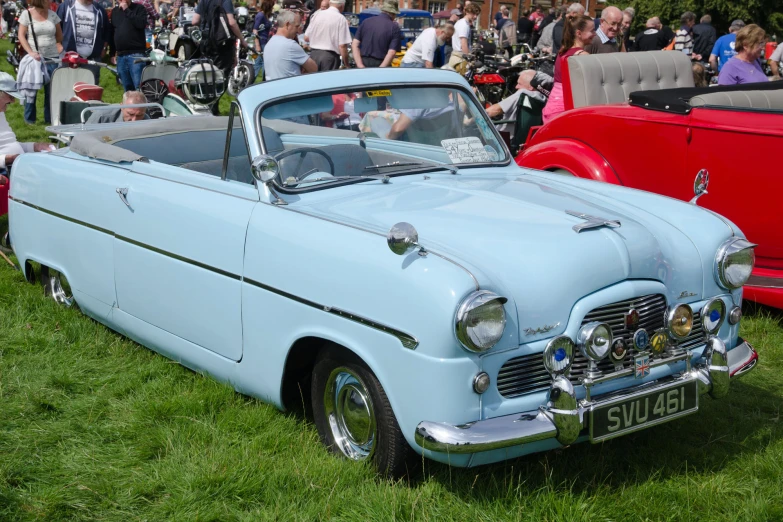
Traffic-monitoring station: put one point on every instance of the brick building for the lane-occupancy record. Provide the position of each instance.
(488, 7)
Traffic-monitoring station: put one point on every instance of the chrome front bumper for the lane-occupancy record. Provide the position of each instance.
(563, 418)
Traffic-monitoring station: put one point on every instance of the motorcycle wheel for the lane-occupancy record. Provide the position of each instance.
(240, 78)
(154, 90)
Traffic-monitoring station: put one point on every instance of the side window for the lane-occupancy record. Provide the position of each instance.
(236, 160)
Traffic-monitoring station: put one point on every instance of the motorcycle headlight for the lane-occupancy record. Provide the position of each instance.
(734, 263)
(480, 321)
(595, 340)
(679, 321)
(163, 40)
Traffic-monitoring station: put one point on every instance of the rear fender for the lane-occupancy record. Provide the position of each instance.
(570, 155)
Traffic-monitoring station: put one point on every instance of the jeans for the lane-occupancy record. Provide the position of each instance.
(258, 64)
(411, 64)
(129, 72)
(29, 107)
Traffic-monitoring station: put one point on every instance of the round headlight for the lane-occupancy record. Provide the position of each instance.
(595, 340)
(679, 321)
(481, 320)
(558, 355)
(734, 263)
(712, 315)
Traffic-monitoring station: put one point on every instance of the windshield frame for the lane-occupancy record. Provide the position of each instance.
(257, 113)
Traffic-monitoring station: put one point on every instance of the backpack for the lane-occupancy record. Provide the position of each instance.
(214, 27)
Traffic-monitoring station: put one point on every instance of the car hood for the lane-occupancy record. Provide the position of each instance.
(514, 234)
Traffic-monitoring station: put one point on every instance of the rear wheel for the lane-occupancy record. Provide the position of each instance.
(563, 172)
(353, 414)
(154, 91)
(56, 287)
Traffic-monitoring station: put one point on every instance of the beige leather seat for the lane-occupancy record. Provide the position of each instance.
(601, 79)
(744, 99)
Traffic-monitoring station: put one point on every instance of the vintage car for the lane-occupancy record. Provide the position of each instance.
(666, 134)
(428, 295)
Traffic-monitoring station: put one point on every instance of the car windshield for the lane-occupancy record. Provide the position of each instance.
(415, 22)
(376, 134)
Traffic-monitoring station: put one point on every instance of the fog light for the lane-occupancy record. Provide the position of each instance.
(735, 315)
(481, 382)
(595, 340)
(712, 315)
(558, 355)
(679, 321)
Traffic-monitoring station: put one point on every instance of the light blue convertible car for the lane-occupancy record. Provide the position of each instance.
(364, 236)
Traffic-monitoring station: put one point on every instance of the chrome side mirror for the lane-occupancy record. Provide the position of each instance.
(403, 238)
(264, 168)
(700, 185)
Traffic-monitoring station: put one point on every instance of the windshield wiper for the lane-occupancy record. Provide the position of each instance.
(292, 182)
(451, 168)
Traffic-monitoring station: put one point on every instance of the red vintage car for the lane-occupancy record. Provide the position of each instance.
(635, 119)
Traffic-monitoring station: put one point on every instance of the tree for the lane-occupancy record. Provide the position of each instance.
(766, 13)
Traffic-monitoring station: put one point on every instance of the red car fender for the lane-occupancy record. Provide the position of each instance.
(3, 199)
(570, 155)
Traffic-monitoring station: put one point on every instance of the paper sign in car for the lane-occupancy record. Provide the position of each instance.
(465, 150)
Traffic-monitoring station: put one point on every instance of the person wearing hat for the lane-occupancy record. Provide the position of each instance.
(378, 38)
(723, 50)
(10, 148)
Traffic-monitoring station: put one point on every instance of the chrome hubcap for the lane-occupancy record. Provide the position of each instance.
(350, 413)
(59, 292)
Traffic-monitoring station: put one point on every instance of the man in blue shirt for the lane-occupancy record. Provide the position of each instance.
(724, 46)
(378, 38)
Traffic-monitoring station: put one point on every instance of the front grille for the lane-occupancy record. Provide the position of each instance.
(526, 374)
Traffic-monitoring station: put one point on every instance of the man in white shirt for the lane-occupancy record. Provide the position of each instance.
(422, 52)
(283, 57)
(460, 42)
(329, 37)
(10, 149)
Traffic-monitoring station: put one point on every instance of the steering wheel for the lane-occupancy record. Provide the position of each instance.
(302, 151)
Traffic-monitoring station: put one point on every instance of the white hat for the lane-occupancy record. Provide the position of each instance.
(8, 84)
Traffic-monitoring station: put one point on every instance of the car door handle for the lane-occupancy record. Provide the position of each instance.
(123, 193)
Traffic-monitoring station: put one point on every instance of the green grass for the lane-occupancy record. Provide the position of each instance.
(96, 427)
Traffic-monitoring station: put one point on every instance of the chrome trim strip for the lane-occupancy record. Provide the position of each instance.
(61, 216)
(178, 257)
(408, 341)
(765, 282)
(370, 231)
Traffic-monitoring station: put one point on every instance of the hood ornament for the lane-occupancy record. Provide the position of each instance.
(700, 185)
(592, 221)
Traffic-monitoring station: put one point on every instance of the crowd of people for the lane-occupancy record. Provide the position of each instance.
(309, 38)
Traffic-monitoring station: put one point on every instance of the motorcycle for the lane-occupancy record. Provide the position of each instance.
(243, 74)
(185, 37)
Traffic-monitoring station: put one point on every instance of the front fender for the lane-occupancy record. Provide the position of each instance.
(570, 155)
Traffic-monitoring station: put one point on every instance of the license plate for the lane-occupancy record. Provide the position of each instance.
(623, 415)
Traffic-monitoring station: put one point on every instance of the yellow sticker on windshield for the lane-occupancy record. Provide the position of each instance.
(376, 94)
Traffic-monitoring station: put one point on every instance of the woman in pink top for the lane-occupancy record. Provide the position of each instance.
(577, 34)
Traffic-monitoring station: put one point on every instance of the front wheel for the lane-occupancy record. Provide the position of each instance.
(353, 414)
(241, 76)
